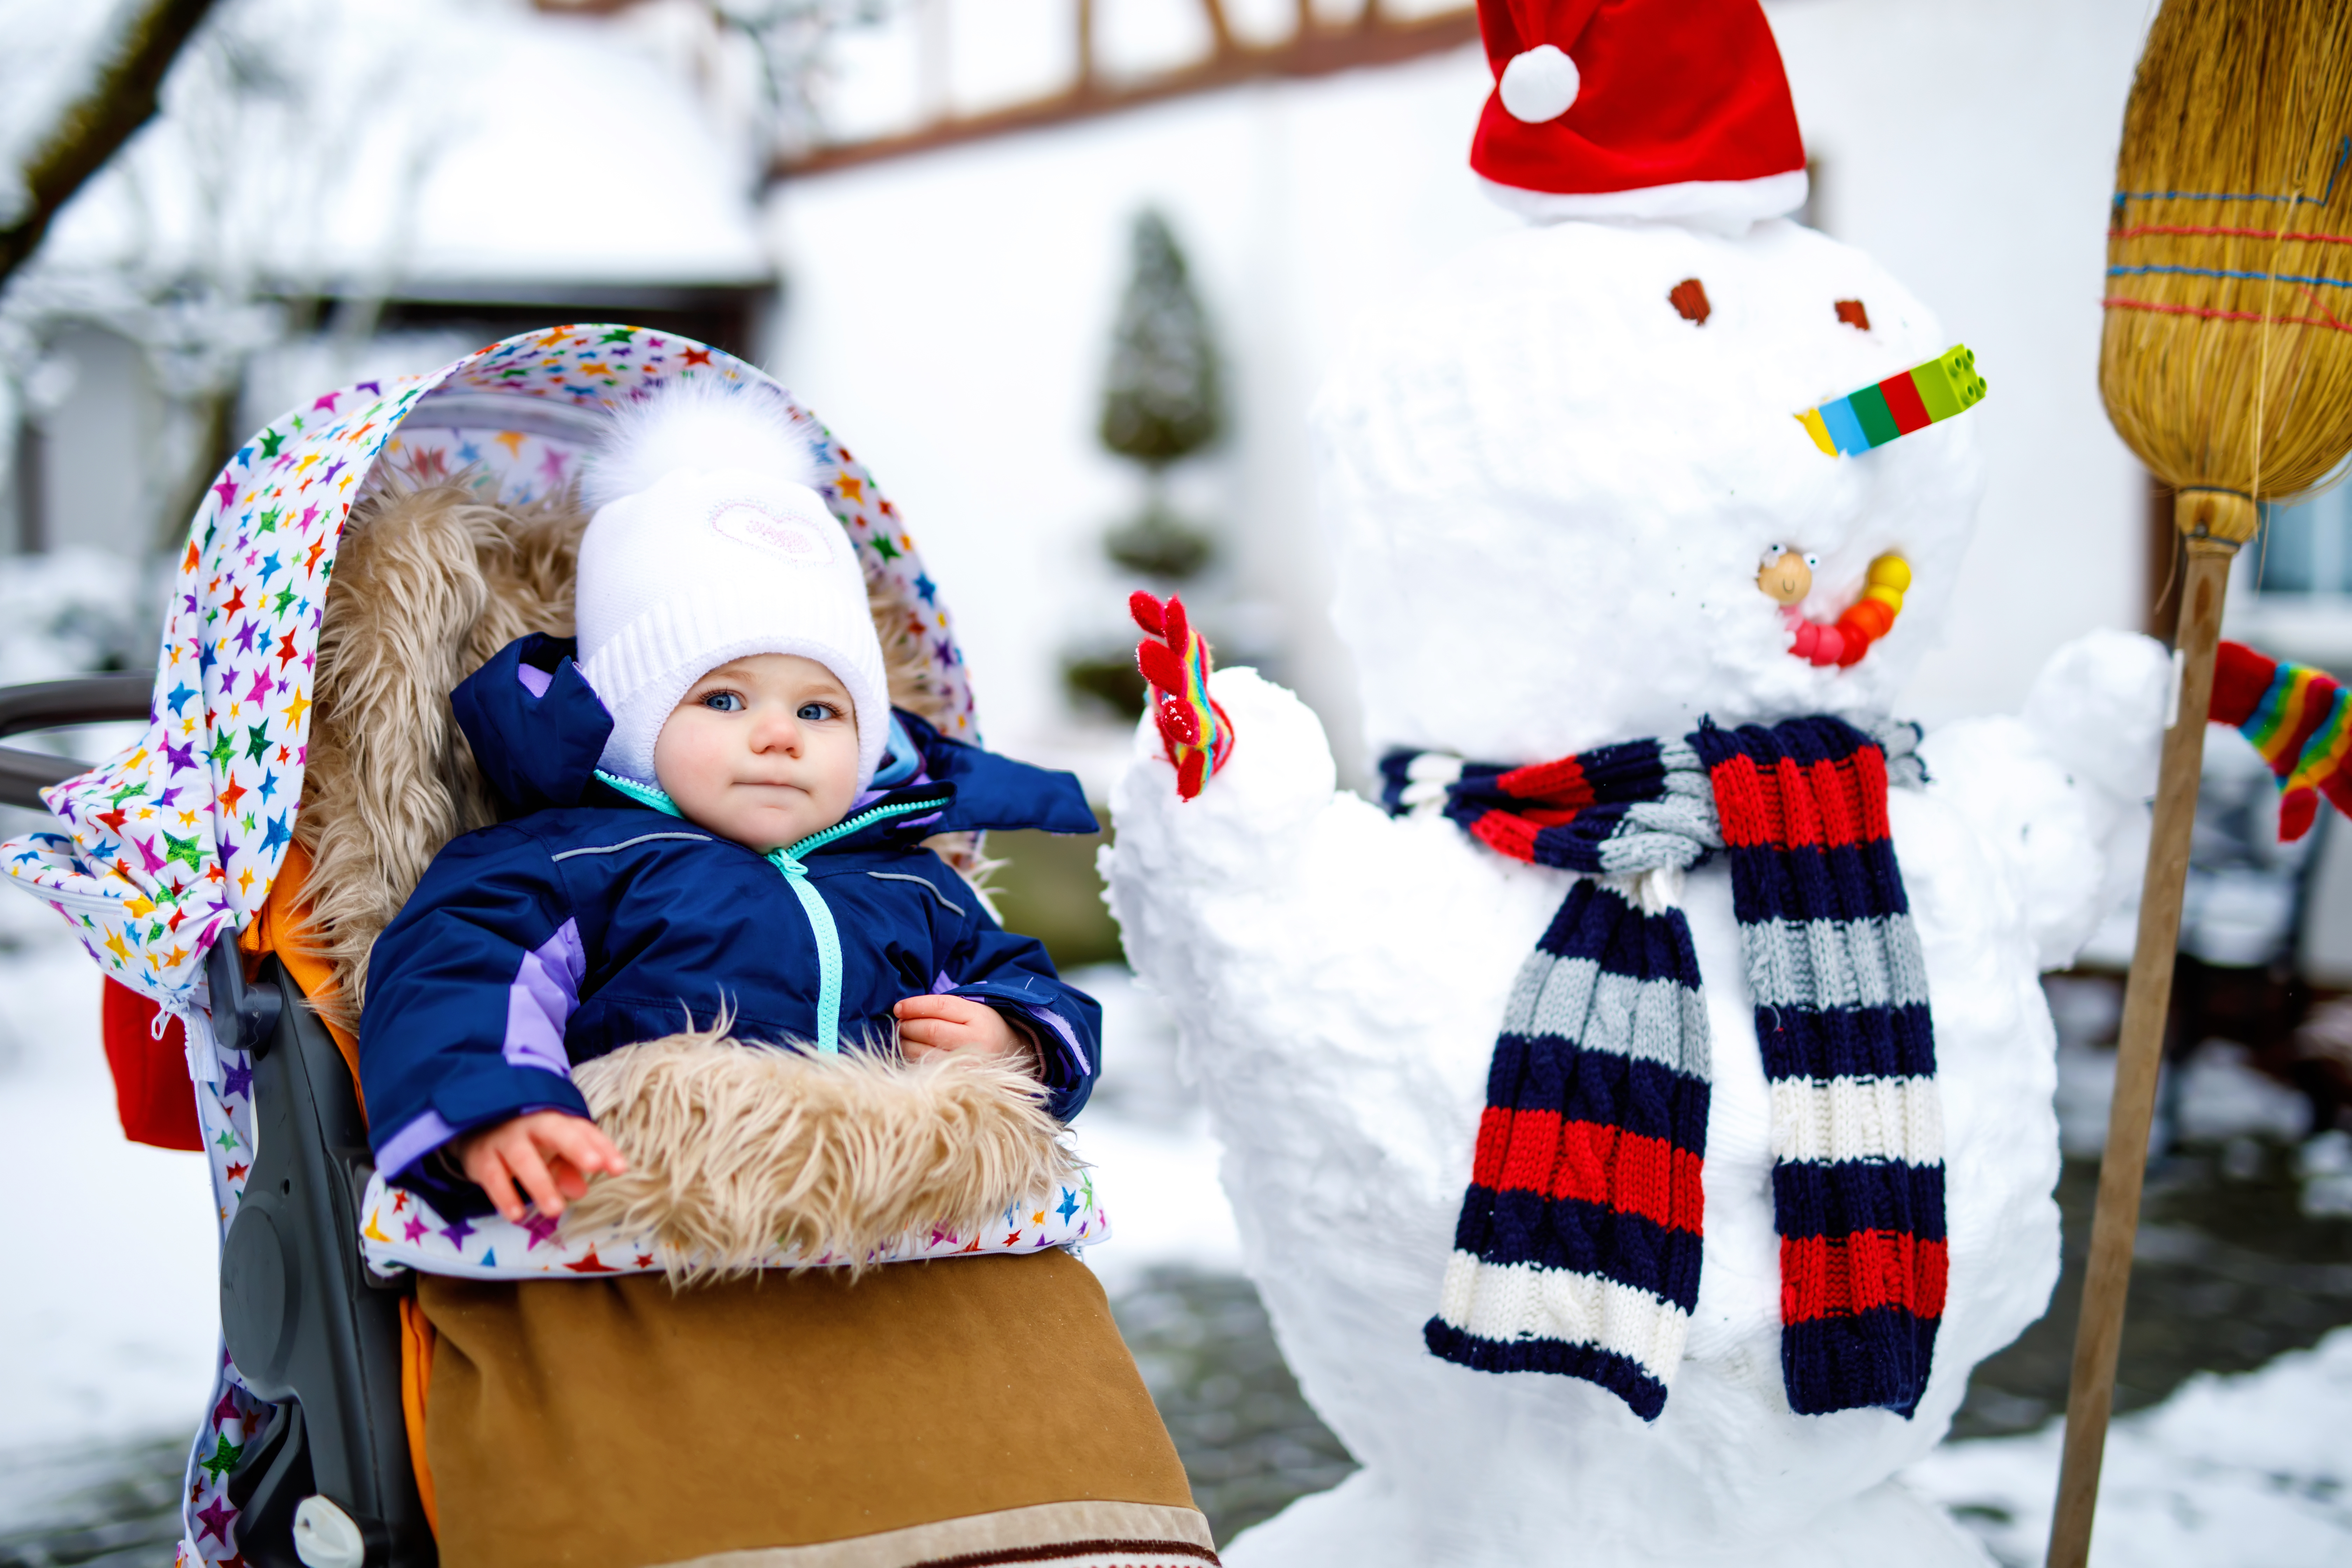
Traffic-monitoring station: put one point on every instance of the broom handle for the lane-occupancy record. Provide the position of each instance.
(2098, 1334)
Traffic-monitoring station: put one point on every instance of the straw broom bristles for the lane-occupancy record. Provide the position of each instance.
(2231, 366)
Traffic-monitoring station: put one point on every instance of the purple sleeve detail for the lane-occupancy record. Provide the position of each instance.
(1057, 1022)
(535, 681)
(546, 990)
(411, 1143)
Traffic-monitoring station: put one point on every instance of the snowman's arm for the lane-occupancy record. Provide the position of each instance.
(1179, 864)
(1318, 954)
(2059, 794)
(1249, 827)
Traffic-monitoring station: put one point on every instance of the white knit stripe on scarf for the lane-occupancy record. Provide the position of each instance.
(1505, 1302)
(1839, 1119)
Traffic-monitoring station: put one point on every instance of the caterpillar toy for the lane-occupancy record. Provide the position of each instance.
(1786, 576)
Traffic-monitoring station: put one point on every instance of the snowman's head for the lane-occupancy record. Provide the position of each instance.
(1560, 478)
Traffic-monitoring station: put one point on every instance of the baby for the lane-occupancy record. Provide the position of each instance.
(711, 812)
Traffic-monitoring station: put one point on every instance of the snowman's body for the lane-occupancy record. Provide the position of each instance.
(1549, 492)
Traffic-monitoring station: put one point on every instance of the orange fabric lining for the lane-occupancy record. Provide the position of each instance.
(279, 927)
(418, 1340)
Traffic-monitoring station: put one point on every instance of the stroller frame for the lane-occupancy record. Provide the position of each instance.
(311, 1327)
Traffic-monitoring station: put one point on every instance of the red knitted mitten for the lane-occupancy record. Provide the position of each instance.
(1174, 658)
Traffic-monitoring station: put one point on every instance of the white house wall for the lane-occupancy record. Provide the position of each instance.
(949, 314)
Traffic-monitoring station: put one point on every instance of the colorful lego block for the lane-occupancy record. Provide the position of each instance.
(1876, 415)
(1959, 369)
(1869, 408)
(1935, 389)
(1903, 403)
(1844, 428)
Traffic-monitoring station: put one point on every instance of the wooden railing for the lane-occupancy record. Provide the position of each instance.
(1313, 48)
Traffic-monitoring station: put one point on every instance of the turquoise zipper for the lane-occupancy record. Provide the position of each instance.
(795, 869)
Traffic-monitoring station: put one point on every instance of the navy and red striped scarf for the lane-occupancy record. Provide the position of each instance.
(1578, 1248)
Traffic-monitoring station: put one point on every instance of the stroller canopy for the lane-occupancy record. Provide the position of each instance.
(176, 841)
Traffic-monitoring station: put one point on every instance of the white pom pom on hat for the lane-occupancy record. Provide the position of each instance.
(698, 424)
(1539, 84)
(710, 544)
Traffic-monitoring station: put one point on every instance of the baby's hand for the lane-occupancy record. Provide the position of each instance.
(545, 1156)
(928, 1024)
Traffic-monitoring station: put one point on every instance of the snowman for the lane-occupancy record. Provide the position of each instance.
(1640, 1121)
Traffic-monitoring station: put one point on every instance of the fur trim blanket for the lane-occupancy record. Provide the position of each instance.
(746, 1157)
(737, 1152)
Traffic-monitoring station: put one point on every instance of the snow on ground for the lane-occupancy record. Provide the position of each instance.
(1148, 1137)
(109, 1335)
(2253, 1470)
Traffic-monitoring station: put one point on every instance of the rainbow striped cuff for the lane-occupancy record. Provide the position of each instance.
(1877, 414)
(2298, 718)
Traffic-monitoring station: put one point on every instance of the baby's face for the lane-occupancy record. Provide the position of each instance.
(763, 750)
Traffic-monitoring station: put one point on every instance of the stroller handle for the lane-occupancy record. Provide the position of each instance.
(52, 705)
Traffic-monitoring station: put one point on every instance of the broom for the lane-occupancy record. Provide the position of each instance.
(2226, 364)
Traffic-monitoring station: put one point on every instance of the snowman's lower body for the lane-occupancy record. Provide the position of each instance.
(1347, 1169)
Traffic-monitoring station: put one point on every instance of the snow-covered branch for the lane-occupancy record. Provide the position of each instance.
(119, 98)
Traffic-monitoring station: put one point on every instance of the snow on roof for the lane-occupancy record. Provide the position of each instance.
(435, 142)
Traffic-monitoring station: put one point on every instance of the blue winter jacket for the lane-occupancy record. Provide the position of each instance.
(587, 922)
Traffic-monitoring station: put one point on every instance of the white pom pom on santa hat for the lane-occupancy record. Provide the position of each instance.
(698, 426)
(1638, 109)
(1540, 84)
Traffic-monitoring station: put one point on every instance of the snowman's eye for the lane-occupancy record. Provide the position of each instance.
(1772, 553)
(1851, 312)
(1812, 563)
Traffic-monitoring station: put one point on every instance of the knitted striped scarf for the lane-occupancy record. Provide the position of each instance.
(1578, 1248)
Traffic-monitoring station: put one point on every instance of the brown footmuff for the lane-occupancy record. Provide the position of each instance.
(974, 1410)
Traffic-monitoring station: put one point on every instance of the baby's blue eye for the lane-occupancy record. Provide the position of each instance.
(724, 701)
(817, 713)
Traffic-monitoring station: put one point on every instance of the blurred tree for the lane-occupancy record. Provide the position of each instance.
(1162, 402)
(120, 97)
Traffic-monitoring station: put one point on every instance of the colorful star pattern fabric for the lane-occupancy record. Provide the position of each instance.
(173, 843)
(224, 1085)
(176, 841)
(399, 1230)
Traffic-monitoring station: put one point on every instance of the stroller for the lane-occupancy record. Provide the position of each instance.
(185, 873)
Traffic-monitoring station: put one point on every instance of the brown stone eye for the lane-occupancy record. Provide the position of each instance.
(1689, 300)
(1851, 312)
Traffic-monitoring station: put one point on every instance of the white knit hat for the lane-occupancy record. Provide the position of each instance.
(709, 543)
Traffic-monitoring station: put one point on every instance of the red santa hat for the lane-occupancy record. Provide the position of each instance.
(1638, 109)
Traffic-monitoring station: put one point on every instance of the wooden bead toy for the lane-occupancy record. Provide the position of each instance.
(1787, 576)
